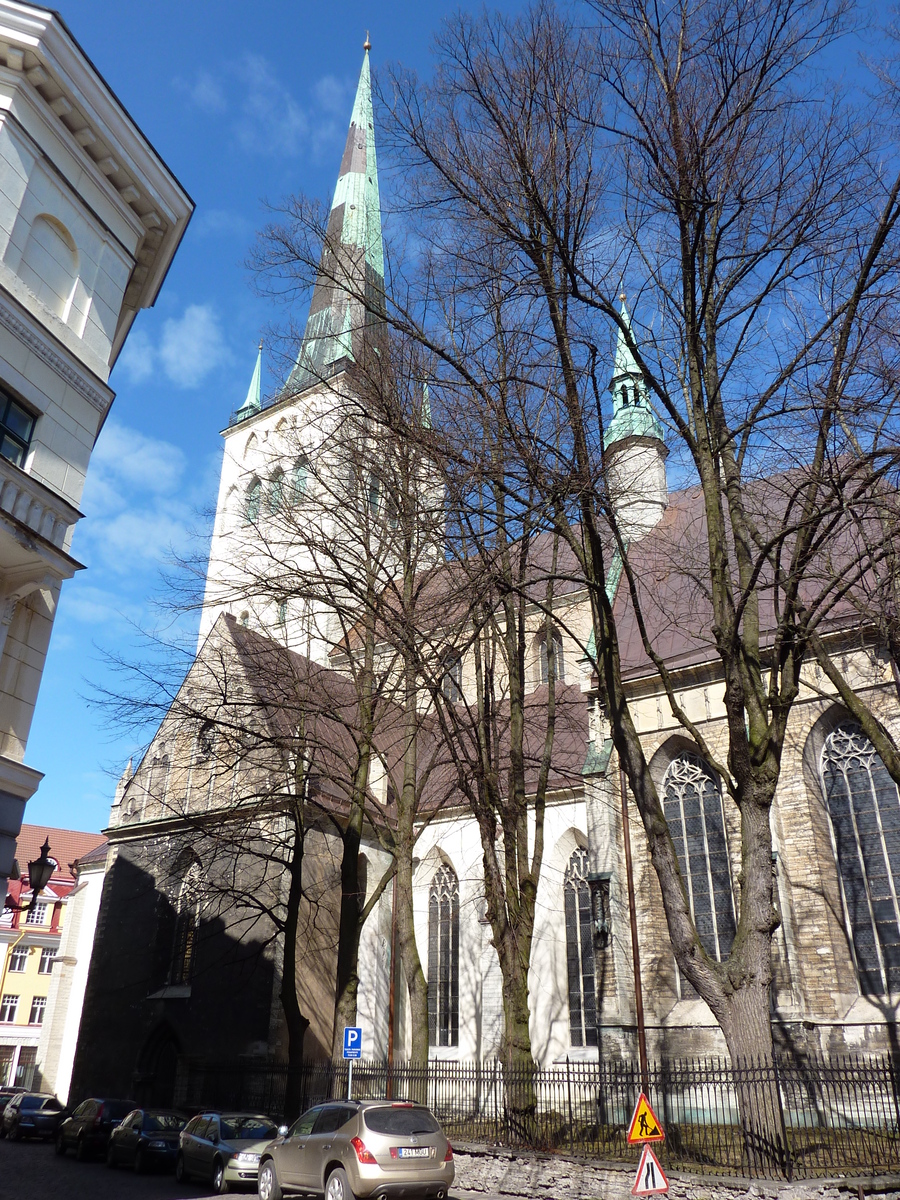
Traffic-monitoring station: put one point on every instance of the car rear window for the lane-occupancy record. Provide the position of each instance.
(252, 1129)
(400, 1121)
(159, 1121)
(116, 1109)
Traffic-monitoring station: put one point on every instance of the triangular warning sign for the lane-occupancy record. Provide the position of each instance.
(651, 1178)
(644, 1126)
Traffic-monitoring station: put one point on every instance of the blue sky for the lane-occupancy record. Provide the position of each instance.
(245, 103)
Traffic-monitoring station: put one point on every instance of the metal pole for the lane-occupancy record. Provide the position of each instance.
(389, 1090)
(635, 948)
(349, 1078)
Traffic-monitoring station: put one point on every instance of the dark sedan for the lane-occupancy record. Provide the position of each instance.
(87, 1130)
(147, 1139)
(31, 1114)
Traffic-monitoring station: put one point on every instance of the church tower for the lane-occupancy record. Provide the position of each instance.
(634, 452)
(302, 503)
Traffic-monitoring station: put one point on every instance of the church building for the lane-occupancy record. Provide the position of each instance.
(177, 974)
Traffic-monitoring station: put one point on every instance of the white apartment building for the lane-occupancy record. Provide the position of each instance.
(90, 219)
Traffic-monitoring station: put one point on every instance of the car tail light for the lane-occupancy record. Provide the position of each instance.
(448, 1157)
(364, 1155)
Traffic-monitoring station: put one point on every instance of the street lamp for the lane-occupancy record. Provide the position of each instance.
(39, 873)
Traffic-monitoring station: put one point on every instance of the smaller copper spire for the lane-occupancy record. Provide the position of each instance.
(367, 45)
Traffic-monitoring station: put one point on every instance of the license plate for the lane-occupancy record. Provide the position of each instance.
(414, 1151)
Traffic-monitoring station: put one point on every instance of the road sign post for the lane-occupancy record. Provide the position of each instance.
(352, 1050)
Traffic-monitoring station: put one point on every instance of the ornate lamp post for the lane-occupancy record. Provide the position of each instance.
(39, 872)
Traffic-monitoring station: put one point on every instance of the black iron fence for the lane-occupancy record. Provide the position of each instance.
(794, 1119)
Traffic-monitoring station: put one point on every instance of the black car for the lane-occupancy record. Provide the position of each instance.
(88, 1129)
(147, 1138)
(31, 1114)
(7, 1093)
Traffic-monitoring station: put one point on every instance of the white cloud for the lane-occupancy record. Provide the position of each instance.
(134, 458)
(206, 92)
(271, 120)
(192, 345)
(219, 222)
(268, 117)
(137, 356)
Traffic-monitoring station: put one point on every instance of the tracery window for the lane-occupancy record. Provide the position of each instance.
(301, 478)
(451, 678)
(187, 918)
(554, 663)
(580, 970)
(693, 808)
(276, 491)
(254, 496)
(864, 806)
(443, 958)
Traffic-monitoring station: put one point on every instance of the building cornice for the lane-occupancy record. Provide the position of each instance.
(36, 45)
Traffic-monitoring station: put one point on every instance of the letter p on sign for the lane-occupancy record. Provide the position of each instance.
(352, 1041)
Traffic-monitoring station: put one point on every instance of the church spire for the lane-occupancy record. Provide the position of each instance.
(253, 403)
(353, 256)
(634, 450)
(633, 415)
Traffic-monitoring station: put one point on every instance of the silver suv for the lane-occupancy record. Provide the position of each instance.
(363, 1148)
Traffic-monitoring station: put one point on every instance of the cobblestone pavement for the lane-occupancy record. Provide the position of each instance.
(31, 1168)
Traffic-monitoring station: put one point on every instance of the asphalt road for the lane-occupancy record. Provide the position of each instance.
(32, 1169)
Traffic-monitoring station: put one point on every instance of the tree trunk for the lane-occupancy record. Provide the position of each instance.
(296, 1023)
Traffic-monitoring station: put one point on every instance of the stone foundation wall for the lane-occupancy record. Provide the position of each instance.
(483, 1169)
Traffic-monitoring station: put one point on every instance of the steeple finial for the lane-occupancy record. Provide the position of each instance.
(353, 257)
(367, 45)
(253, 403)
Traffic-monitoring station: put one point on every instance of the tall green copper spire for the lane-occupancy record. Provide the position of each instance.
(633, 415)
(352, 259)
(253, 402)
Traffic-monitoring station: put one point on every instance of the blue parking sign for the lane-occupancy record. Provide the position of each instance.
(352, 1041)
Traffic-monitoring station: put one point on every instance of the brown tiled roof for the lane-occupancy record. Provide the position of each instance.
(66, 845)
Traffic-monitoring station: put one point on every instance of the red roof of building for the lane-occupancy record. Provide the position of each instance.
(65, 846)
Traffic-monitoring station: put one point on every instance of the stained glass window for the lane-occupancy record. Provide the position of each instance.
(693, 808)
(443, 959)
(864, 806)
(580, 952)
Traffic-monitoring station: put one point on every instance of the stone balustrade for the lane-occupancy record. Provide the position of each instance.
(35, 506)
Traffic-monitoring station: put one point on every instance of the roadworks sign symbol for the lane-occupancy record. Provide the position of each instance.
(651, 1178)
(644, 1126)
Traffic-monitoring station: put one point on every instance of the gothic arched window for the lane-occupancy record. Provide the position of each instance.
(443, 959)
(187, 917)
(254, 495)
(552, 663)
(864, 806)
(580, 952)
(159, 777)
(301, 479)
(276, 491)
(693, 807)
(451, 677)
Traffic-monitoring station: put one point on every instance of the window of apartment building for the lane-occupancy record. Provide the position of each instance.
(451, 679)
(580, 972)
(443, 958)
(551, 663)
(47, 956)
(693, 807)
(7, 1054)
(16, 428)
(18, 959)
(37, 915)
(25, 1066)
(864, 807)
(8, 1006)
(38, 1008)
